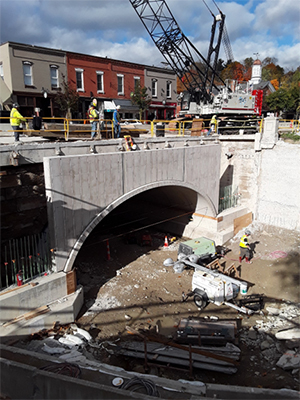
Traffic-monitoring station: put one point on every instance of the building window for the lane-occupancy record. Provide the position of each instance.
(79, 79)
(27, 72)
(54, 76)
(137, 81)
(100, 86)
(169, 88)
(1, 72)
(154, 87)
(120, 84)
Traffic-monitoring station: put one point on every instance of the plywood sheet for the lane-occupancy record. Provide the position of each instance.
(71, 282)
(241, 222)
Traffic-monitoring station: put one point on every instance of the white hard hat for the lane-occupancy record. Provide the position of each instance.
(118, 107)
(247, 232)
(94, 102)
(134, 147)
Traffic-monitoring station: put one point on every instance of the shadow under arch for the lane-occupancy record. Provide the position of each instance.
(201, 202)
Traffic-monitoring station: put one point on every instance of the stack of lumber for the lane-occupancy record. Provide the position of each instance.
(197, 127)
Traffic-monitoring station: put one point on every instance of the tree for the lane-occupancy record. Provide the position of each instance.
(67, 98)
(140, 98)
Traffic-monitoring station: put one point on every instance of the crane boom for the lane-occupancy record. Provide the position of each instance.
(197, 73)
(177, 49)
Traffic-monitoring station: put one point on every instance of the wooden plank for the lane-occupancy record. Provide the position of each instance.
(18, 288)
(241, 222)
(71, 282)
(29, 315)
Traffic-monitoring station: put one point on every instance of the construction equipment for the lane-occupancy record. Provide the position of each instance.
(208, 285)
(206, 93)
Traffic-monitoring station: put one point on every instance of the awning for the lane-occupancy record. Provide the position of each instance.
(126, 105)
(109, 106)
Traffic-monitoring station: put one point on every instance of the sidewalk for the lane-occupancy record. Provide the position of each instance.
(7, 136)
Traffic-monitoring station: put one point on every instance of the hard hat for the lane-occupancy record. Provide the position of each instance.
(118, 107)
(134, 147)
(16, 105)
(247, 232)
(94, 102)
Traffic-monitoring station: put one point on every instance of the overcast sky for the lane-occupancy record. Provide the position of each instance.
(112, 28)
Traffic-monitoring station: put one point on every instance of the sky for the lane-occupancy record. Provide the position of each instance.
(111, 28)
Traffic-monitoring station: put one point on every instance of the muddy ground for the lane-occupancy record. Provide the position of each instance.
(134, 289)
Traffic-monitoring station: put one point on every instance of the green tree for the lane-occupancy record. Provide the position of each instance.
(67, 98)
(140, 98)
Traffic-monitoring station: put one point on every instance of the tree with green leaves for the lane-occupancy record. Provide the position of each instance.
(287, 97)
(67, 98)
(140, 98)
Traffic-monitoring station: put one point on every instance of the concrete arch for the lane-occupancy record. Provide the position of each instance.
(202, 202)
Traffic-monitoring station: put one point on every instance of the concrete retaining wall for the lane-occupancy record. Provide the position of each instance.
(279, 186)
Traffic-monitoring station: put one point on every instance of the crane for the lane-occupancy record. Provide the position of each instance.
(203, 97)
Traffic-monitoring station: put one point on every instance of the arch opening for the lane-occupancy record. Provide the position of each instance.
(119, 238)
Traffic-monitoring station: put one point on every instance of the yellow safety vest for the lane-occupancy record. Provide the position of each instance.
(244, 242)
(213, 121)
(92, 114)
(16, 117)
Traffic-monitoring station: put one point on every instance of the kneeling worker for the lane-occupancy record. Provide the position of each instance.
(245, 247)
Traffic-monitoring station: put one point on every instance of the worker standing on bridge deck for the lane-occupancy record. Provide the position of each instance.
(213, 125)
(116, 121)
(245, 247)
(15, 121)
(93, 115)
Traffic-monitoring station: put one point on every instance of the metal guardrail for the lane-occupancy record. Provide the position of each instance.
(105, 127)
(26, 257)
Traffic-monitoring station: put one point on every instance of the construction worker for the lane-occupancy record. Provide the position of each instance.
(93, 116)
(245, 247)
(15, 121)
(213, 125)
(116, 121)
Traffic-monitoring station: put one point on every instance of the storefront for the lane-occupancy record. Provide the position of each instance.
(161, 111)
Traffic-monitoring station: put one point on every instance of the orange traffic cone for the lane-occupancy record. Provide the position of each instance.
(166, 242)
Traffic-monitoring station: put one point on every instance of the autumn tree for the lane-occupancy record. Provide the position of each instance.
(287, 97)
(140, 98)
(67, 98)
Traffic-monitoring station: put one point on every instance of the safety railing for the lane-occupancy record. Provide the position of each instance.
(24, 259)
(64, 128)
(289, 126)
